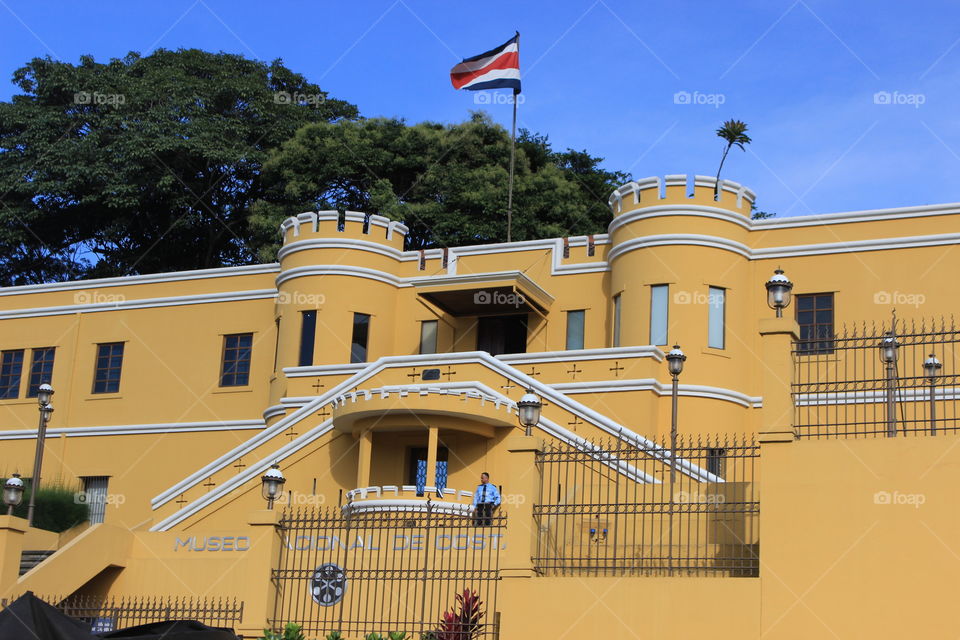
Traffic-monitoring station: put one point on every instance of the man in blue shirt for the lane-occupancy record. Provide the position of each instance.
(485, 499)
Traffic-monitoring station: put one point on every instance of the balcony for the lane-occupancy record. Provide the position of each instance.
(405, 498)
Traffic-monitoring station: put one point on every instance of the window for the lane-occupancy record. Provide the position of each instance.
(237, 349)
(41, 370)
(106, 376)
(717, 302)
(616, 320)
(428, 336)
(575, 329)
(308, 333)
(716, 463)
(658, 313)
(361, 333)
(815, 317)
(95, 495)
(11, 366)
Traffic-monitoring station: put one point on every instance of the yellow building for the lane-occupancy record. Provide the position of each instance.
(382, 382)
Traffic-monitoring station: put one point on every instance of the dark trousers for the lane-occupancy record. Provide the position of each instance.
(484, 514)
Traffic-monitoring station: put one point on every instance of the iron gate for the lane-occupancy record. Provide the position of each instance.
(385, 570)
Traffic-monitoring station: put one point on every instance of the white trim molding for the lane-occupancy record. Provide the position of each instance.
(661, 389)
(135, 429)
(147, 278)
(146, 303)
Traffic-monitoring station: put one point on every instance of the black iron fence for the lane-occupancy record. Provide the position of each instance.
(109, 614)
(386, 570)
(618, 508)
(895, 379)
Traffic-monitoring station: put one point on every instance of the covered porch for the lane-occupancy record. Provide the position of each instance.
(419, 443)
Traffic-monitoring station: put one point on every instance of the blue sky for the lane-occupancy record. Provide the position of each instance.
(603, 75)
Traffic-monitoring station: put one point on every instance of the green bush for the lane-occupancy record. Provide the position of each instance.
(290, 632)
(56, 507)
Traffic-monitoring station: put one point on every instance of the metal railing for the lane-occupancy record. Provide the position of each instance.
(615, 508)
(110, 614)
(870, 381)
(385, 570)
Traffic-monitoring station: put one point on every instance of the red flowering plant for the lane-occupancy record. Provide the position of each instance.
(462, 622)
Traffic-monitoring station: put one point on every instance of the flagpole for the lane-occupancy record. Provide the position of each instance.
(513, 154)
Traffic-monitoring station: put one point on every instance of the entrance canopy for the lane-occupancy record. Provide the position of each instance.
(502, 292)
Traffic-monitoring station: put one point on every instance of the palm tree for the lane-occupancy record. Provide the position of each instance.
(735, 133)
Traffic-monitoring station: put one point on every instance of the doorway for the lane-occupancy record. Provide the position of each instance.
(502, 334)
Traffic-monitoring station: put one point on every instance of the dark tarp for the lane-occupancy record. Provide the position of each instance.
(28, 617)
(171, 630)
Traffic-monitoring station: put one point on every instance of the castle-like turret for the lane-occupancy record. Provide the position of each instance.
(341, 266)
(708, 278)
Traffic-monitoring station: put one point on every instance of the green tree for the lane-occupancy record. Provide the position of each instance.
(142, 164)
(734, 132)
(447, 183)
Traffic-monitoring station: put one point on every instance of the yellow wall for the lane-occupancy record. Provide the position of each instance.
(198, 449)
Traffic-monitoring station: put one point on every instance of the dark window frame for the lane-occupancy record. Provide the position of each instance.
(236, 359)
(105, 364)
(360, 337)
(11, 373)
(308, 337)
(41, 371)
(813, 339)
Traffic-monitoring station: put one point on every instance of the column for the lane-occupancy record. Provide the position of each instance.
(11, 546)
(364, 458)
(777, 336)
(259, 591)
(433, 440)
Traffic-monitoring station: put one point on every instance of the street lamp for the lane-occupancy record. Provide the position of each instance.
(528, 411)
(675, 360)
(13, 493)
(44, 395)
(887, 349)
(271, 484)
(931, 369)
(778, 292)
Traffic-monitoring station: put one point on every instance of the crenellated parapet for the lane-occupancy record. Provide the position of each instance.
(343, 225)
(682, 189)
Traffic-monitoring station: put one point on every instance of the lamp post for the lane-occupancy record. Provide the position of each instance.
(44, 394)
(931, 368)
(675, 360)
(271, 484)
(528, 411)
(888, 348)
(13, 493)
(778, 292)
